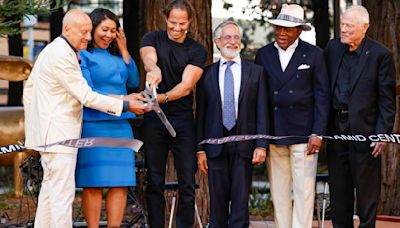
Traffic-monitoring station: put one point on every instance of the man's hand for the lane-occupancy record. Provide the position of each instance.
(135, 96)
(202, 161)
(314, 145)
(379, 148)
(137, 103)
(259, 155)
(154, 77)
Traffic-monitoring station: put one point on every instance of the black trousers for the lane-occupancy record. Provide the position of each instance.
(157, 143)
(229, 179)
(352, 168)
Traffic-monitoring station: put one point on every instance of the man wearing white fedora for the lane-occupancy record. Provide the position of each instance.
(299, 98)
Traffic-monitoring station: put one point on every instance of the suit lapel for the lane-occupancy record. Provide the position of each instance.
(336, 66)
(298, 57)
(361, 64)
(215, 80)
(275, 65)
(245, 77)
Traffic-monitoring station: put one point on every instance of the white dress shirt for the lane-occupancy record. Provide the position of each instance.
(286, 55)
(236, 69)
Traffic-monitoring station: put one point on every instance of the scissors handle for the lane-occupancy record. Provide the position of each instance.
(152, 102)
(148, 98)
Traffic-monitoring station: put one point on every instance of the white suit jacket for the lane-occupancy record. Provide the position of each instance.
(53, 99)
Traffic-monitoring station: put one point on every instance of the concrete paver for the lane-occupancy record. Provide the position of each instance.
(327, 224)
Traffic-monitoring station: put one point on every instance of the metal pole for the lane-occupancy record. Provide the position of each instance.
(30, 43)
(171, 216)
(324, 203)
(30, 21)
(198, 215)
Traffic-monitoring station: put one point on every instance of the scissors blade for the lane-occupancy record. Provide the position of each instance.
(147, 85)
(164, 120)
(154, 96)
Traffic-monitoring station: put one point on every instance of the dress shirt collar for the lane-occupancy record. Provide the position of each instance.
(223, 60)
(292, 47)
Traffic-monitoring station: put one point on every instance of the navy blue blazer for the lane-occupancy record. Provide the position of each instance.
(299, 97)
(252, 114)
(372, 103)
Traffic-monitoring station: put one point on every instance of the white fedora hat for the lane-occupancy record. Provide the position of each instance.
(290, 16)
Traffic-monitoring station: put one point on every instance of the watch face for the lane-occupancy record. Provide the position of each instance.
(165, 98)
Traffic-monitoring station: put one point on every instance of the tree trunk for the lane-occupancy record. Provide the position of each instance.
(15, 89)
(147, 16)
(385, 27)
(321, 22)
(56, 18)
(134, 30)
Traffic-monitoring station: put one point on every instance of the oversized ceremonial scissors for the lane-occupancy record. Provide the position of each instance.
(152, 102)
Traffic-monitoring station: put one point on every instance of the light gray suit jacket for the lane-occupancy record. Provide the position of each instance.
(53, 99)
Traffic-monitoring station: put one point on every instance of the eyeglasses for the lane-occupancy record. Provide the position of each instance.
(347, 25)
(229, 37)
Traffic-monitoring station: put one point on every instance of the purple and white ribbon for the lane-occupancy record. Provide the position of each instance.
(389, 138)
(133, 144)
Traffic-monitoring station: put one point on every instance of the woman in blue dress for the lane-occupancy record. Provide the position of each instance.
(108, 69)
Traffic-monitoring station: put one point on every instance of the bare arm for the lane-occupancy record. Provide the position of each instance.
(191, 75)
(148, 55)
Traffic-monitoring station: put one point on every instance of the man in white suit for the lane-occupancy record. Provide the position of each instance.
(53, 99)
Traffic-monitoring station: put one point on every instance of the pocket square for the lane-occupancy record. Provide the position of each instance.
(303, 67)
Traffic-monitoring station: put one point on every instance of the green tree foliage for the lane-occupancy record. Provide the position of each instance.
(13, 11)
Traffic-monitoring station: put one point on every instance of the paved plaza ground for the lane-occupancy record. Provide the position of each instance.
(328, 224)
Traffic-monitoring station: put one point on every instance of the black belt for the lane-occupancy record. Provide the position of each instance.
(341, 113)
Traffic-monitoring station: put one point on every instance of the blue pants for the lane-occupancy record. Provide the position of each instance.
(229, 182)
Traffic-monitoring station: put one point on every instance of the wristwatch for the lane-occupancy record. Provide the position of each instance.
(165, 98)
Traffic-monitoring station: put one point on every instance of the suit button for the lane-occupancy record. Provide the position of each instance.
(297, 76)
(290, 91)
(291, 106)
(275, 92)
(275, 108)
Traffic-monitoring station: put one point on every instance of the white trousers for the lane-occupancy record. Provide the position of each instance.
(57, 191)
(289, 167)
